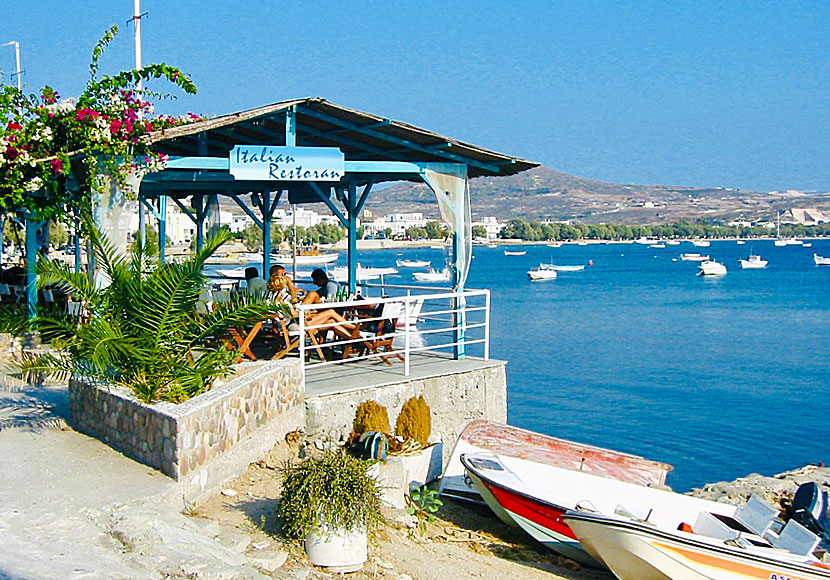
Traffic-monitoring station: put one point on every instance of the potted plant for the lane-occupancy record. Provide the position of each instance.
(331, 503)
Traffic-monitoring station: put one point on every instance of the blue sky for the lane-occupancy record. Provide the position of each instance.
(703, 93)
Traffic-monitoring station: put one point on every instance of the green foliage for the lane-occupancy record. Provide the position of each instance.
(334, 492)
(478, 232)
(436, 230)
(142, 330)
(13, 319)
(371, 416)
(423, 504)
(252, 237)
(416, 233)
(414, 421)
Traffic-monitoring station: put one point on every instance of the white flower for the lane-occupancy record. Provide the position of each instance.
(34, 184)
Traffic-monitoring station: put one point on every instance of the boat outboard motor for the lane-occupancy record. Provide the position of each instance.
(810, 510)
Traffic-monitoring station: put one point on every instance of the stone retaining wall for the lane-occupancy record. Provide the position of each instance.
(225, 429)
(455, 399)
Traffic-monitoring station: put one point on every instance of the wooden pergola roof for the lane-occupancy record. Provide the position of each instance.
(361, 136)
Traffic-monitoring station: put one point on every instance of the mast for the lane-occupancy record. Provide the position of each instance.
(142, 225)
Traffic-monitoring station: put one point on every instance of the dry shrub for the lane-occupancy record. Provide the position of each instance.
(415, 421)
(371, 416)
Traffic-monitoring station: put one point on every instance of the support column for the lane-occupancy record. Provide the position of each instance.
(77, 239)
(351, 205)
(266, 234)
(31, 266)
(142, 225)
(199, 206)
(2, 228)
(162, 227)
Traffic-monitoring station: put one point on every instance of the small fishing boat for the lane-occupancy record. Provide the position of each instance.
(555, 245)
(538, 274)
(657, 246)
(481, 436)
(305, 256)
(412, 263)
(820, 260)
(807, 244)
(535, 496)
(673, 242)
(694, 257)
(515, 252)
(753, 262)
(701, 243)
(562, 268)
(714, 547)
(711, 268)
(341, 273)
(492, 245)
(740, 242)
(432, 275)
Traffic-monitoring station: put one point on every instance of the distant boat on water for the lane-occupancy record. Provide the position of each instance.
(753, 262)
(821, 261)
(538, 274)
(578, 268)
(711, 268)
(672, 242)
(413, 263)
(515, 252)
(701, 243)
(432, 275)
(657, 246)
(694, 257)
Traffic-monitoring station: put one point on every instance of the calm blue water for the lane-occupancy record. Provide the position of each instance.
(720, 377)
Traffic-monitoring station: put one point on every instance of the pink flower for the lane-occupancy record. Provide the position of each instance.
(57, 166)
(115, 125)
(12, 126)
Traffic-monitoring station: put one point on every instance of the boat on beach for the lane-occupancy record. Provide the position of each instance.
(711, 268)
(412, 263)
(536, 496)
(690, 257)
(481, 436)
(515, 252)
(753, 262)
(539, 274)
(714, 547)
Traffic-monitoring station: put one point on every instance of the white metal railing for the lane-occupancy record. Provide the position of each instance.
(438, 320)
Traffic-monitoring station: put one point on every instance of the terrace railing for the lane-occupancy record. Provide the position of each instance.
(427, 321)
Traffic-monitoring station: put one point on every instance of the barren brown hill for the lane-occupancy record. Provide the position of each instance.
(545, 193)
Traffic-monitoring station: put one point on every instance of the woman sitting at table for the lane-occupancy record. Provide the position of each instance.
(280, 285)
(326, 319)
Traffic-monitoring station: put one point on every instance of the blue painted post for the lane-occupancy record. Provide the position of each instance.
(162, 227)
(31, 266)
(291, 126)
(266, 233)
(2, 227)
(199, 202)
(77, 245)
(142, 222)
(351, 202)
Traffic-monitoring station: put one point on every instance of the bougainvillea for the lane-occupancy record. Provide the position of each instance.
(56, 153)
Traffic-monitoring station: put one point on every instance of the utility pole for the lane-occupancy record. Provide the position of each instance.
(136, 20)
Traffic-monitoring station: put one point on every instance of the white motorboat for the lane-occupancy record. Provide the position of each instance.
(312, 259)
(535, 496)
(515, 252)
(538, 274)
(753, 262)
(702, 546)
(740, 242)
(701, 243)
(432, 275)
(232, 273)
(341, 273)
(820, 260)
(673, 242)
(644, 241)
(657, 246)
(694, 257)
(807, 244)
(711, 268)
(562, 268)
(413, 263)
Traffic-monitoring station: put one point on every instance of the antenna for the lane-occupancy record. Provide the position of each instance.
(19, 73)
(136, 20)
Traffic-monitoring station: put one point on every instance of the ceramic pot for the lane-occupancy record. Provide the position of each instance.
(337, 550)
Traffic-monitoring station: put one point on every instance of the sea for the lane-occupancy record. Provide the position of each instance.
(719, 376)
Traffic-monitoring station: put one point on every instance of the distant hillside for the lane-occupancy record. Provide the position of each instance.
(545, 193)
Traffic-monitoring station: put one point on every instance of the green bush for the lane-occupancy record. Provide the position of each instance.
(334, 492)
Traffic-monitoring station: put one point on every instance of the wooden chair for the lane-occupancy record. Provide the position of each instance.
(378, 337)
(290, 338)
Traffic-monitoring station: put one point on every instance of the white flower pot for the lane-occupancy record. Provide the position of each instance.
(337, 550)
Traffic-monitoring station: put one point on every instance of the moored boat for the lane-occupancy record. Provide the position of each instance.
(820, 260)
(515, 252)
(412, 263)
(701, 243)
(562, 268)
(711, 548)
(711, 268)
(539, 274)
(535, 496)
(753, 262)
(312, 258)
(432, 275)
(691, 257)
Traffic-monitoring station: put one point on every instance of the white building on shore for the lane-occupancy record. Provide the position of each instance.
(398, 223)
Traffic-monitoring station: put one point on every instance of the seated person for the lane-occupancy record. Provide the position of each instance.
(326, 289)
(257, 287)
(280, 285)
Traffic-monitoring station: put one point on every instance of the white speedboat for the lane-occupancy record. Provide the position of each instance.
(541, 274)
(562, 268)
(305, 259)
(753, 262)
(657, 246)
(341, 273)
(807, 244)
(432, 275)
(701, 243)
(673, 242)
(820, 260)
(694, 257)
(702, 546)
(413, 263)
(740, 242)
(515, 252)
(711, 268)
(536, 495)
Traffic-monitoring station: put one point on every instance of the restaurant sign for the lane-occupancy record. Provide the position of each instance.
(266, 163)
